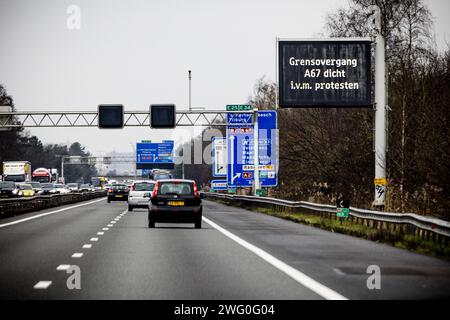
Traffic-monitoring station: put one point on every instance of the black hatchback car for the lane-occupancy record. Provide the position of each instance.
(118, 192)
(177, 201)
(8, 189)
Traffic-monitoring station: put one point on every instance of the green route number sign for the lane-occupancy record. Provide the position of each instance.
(239, 107)
(342, 208)
(342, 212)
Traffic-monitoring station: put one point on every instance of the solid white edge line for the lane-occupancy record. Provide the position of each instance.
(48, 213)
(42, 285)
(298, 276)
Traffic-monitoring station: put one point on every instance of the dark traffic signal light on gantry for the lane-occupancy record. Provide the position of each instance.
(110, 116)
(162, 116)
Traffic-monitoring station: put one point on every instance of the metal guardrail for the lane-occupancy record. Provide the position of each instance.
(417, 224)
(15, 206)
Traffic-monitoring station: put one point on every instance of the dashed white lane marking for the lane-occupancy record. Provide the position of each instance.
(42, 285)
(100, 233)
(63, 267)
(87, 246)
(49, 213)
(105, 229)
(110, 225)
(298, 276)
(339, 271)
(93, 239)
(113, 222)
(77, 255)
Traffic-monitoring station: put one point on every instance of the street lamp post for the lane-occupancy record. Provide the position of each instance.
(190, 80)
(190, 109)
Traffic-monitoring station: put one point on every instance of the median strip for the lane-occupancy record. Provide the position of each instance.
(49, 213)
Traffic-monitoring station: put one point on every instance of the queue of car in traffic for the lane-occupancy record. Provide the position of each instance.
(167, 200)
(10, 189)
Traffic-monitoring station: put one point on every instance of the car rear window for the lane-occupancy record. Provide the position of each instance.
(144, 186)
(179, 188)
(119, 187)
(25, 187)
(162, 176)
(7, 184)
(47, 185)
(35, 184)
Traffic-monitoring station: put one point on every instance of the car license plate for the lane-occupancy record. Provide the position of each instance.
(119, 195)
(176, 203)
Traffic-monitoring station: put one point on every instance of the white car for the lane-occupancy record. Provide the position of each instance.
(140, 193)
(61, 189)
(73, 187)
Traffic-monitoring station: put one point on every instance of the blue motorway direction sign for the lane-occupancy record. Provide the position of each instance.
(155, 155)
(239, 118)
(219, 185)
(241, 152)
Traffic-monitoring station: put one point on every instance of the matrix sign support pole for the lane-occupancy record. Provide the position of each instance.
(380, 111)
(62, 171)
(182, 168)
(256, 151)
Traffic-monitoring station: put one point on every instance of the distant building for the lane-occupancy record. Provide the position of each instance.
(123, 163)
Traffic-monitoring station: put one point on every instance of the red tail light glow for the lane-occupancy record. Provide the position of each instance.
(196, 194)
(155, 189)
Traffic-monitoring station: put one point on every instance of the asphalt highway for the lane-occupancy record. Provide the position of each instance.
(237, 254)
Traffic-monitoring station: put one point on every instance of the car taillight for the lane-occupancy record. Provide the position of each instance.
(155, 190)
(132, 188)
(109, 190)
(196, 194)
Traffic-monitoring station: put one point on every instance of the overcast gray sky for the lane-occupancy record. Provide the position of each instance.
(138, 52)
